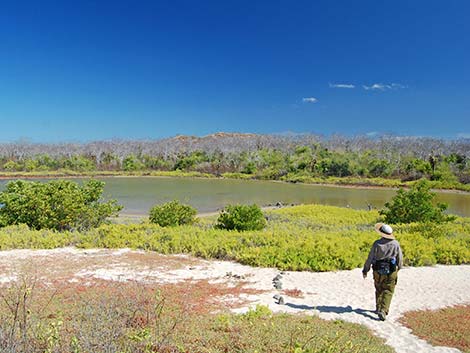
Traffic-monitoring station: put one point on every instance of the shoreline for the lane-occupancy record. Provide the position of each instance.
(142, 216)
(209, 176)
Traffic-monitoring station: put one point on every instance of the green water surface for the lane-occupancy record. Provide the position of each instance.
(139, 194)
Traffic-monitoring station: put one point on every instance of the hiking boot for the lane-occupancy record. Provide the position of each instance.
(382, 316)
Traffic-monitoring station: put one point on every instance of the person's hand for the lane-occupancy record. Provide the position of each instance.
(364, 275)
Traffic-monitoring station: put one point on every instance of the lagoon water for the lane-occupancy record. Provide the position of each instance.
(139, 194)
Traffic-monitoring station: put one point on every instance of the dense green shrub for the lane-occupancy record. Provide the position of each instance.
(57, 204)
(172, 214)
(131, 163)
(444, 173)
(332, 167)
(415, 205)
(241, 217)
(379, 168)
(78, 163)
(187, 162)
(11, 166)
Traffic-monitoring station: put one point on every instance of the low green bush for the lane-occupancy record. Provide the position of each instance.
(241, 218)
(57, 204)
(22, 237)
(172, 213)
(415, 205)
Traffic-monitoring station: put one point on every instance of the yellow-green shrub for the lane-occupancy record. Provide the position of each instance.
(22, 237)
(311, 237)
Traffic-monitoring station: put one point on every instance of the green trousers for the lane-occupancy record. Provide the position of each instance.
(384, 287)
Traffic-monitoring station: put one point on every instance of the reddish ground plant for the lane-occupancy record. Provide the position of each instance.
(294, 293)
(445, 327)
(202, 297)
(106, 316)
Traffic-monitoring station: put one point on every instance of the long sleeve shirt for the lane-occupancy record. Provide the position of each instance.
(384, 249)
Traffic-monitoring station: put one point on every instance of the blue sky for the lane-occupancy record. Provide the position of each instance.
(87, 70)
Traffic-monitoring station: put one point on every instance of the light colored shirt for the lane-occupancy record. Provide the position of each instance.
(384, 249)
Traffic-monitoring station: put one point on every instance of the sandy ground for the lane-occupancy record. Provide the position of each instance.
(137, 218)
(341, 295)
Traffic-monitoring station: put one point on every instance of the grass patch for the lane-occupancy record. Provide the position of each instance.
(445, 327)
(132, 317)
(310, 237)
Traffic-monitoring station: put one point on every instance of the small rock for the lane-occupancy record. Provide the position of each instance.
(231, 275)
(278, 285)
(277, 278)
(279, 299)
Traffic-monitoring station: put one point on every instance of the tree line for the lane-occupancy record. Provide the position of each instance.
(262, 156)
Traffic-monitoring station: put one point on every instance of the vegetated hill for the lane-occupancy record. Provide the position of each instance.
(221, 142)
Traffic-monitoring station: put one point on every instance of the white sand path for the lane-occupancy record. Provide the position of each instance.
(341, 295)
(347, 296)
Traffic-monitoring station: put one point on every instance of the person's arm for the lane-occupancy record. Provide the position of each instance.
(399, 258)
(369, 260)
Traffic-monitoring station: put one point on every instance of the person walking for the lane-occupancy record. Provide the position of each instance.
(386, 258)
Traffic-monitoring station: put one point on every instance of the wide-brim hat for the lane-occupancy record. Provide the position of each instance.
(384, 230)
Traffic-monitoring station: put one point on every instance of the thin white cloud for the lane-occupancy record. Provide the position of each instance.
(341, 85)
(375, 87)
(463, 135)
(309, 100)
(384, 86)
(398, 86)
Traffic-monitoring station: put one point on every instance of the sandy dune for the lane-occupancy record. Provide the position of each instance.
(341, 295)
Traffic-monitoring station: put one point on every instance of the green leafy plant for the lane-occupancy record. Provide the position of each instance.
(258, 312)
(172, 214)
(241, 217)
(57, 204)
(415, 205)
(131, 163)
